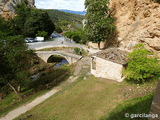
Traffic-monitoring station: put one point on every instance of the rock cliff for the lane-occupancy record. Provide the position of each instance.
(137, 21)
(7, 7)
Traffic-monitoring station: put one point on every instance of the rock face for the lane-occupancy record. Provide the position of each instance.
(138, 21)
(7, 7)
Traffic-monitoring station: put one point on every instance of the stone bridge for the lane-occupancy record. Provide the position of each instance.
(71, 58)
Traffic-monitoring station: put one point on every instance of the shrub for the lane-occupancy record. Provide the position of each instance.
(142, 66)
(77, 50)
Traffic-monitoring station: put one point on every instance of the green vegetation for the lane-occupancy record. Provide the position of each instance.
(15, 62)
(142, 66)
(90, 99)
(29, 21)
(158, 1)
(138, 105)
(77, 50)
(34, 89)
(76, 35)
(64, 20)
(41, 34)
(99, 26)
(64, 17)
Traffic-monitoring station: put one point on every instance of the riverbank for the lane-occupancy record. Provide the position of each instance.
(35, 88)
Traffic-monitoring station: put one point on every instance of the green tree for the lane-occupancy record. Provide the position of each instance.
(41, 34)
(76, 35)
(22, 14)
(7, 28)
(142, 66)
(99, 26)
(38, 21)
(30, 20)
(58, 30)
(14, 62)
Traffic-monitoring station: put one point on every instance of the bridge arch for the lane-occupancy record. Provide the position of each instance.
(45, 55)
(56, 58)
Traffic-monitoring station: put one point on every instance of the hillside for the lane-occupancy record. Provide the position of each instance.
(57, 15)
(75, 12)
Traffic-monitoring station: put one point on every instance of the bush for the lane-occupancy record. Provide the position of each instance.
(77, 50)
(142, 66)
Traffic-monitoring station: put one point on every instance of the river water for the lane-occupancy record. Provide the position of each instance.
(56, 66)
(63, 62)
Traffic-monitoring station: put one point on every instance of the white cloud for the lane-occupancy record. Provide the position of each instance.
(76, 5)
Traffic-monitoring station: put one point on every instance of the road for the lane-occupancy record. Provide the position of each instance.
(56, 43)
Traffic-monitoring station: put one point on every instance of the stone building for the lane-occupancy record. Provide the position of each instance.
(109, 64)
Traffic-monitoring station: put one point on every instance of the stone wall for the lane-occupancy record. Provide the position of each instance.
(107, 69)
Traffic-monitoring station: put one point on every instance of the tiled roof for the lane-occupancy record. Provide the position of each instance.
(114, 55)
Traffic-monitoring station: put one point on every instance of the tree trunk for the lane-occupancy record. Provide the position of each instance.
(19, 88)
(99, 45)
(14, 89)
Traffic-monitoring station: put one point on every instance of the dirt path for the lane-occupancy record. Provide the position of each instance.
(24, 108)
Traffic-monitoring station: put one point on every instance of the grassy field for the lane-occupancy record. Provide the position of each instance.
(127, 109)
(91, 99)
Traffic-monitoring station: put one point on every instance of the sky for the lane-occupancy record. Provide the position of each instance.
(75, 5)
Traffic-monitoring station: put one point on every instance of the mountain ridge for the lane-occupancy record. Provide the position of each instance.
(72, 11)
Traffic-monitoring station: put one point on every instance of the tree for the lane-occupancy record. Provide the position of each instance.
(22, 14)
(142, 66)
(58, 30)
(14, 62)
(38, 21)
(41, 34)
(99, 26)
(30, 20)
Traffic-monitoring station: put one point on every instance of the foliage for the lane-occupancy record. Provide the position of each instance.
(14, 62)
(158, 1)
(77, 50)
(7, 28)
(76, 35)
(41, 34)
(58, 30)
(63, 19)
(38, 21)
(29, 21)
(141, 66)
(99, 26)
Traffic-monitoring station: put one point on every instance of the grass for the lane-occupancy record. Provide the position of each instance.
(88, 99)
(138, 105)
(11, 102)
(35, 89)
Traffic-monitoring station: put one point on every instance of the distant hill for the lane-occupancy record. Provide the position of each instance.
(75, 12)
(57, 15)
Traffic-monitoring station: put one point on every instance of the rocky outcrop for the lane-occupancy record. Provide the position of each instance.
(7, 7)
(137, 21)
